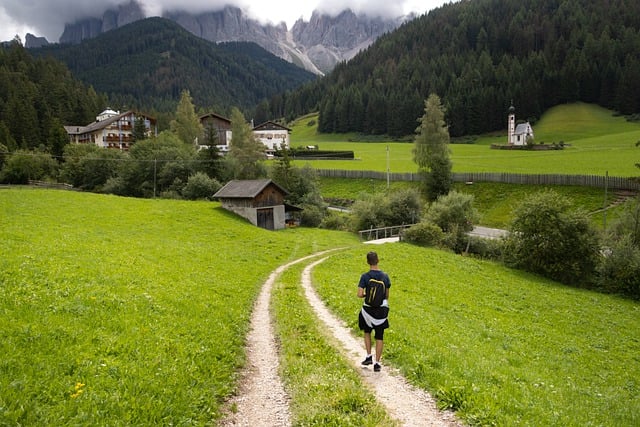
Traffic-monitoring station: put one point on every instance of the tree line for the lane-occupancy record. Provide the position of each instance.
(480, 56)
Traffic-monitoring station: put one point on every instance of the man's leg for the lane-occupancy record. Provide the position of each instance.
(367, 342)
(379, 345)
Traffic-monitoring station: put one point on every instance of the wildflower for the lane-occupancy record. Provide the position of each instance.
(78, 390)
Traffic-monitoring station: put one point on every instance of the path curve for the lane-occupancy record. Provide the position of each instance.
(409, 405)
(261, 398)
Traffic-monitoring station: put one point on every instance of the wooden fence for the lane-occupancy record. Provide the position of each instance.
(598, 181)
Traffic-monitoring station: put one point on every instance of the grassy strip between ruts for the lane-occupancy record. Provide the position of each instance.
(120, 311)
(323, 386)
(499, 346)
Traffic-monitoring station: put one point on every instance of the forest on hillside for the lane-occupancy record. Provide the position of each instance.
(37, 97)
(147, 64)
(480, 56)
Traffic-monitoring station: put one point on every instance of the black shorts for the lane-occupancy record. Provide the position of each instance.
(379, 330)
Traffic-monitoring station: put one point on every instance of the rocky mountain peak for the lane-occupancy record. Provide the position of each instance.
(317, 45)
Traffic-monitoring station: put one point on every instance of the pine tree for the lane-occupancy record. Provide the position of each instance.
(431, 150)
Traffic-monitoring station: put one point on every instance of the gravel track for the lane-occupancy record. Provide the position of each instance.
(262, 400)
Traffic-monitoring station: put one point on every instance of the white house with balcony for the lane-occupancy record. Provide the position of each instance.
(273, 135)
(112, 129)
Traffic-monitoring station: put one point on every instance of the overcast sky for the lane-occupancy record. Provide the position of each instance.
(48, 17)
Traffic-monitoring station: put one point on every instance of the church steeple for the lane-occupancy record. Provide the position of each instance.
(511, 124)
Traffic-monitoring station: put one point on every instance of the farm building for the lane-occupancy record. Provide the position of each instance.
(261, 201)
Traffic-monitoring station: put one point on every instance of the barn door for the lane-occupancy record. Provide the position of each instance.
(265, 218)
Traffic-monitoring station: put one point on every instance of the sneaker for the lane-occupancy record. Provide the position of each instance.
(377, 367)
(367, 361)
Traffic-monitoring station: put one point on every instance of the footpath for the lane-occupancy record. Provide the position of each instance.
(262, 399)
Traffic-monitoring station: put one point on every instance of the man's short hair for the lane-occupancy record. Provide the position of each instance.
(372, 258)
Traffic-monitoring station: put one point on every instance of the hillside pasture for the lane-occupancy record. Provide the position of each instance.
(125, 311)
(499, 346)
(597, 142)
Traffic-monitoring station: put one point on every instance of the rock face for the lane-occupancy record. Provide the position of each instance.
(32, 41)
(317, 45)
(111, 19)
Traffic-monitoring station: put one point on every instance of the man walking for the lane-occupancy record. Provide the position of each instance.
(374, 313)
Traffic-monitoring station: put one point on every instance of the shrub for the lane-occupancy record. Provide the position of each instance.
(200, 186)
(485, 248)
(334, 221)
(548, 237)
(379, 210)
(455, 215)
(425, 234)
(23, 166)
(311, 216)
(619, 269)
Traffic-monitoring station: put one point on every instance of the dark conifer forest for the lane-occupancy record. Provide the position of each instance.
(479, 56)
(147, 64)
(37, 97)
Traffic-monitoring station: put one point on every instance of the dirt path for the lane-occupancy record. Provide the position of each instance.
(409, 405)
(262, 399)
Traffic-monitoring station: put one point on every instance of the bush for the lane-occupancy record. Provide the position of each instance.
(334, 221)
(424, 234)
(311, 216)
(619, 269)
(23, 166)
(549, 238)
(400, 207)
(455, 215)
(485, 248)
(200, 186)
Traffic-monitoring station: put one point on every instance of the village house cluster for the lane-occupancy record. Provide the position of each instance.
(113, 129)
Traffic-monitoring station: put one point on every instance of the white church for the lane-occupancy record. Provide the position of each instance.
(520, 134)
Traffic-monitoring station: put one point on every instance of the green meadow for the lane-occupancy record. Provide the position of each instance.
(499, 346)
(125, 311)
(597, 142)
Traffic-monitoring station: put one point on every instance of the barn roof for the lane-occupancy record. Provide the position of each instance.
(242, 189)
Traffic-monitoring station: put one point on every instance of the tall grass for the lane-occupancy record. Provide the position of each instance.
(125, 311)
(500, 346)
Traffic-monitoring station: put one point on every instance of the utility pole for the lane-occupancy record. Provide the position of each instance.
(387, 167)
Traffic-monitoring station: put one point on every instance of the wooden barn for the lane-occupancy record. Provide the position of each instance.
(261, 201)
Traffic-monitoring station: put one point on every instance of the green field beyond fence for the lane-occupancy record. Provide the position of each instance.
(610, 182)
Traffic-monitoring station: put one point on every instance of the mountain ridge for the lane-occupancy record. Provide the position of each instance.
(149, 62)
(317, 45)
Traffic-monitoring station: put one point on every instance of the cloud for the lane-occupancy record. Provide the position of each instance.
(48, 17)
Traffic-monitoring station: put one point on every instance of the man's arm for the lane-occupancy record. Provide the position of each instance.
(361, 292)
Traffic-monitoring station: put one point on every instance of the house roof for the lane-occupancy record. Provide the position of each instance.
(243, 189)
(101, 124)
(271, 126)
(217, 116)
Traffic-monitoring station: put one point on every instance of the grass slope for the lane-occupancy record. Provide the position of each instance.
(500, 346)
(599, 143)
(128, 311)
